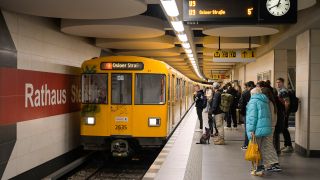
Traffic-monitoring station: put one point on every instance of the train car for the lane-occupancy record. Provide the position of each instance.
(131, 102)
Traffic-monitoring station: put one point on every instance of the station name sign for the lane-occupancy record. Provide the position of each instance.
(234, 56)
(239, 11)
(122, 66)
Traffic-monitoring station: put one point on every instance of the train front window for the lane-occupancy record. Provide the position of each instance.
(95, 88)
(150, 89)
(121, 88)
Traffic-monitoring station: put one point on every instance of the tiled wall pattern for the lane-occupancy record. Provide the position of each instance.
(263, 64)
(42, 47)
(308, 88)
(302, 88)
(280, 65)
(315, 90)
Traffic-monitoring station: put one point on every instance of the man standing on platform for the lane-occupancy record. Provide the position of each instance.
(199, 99)
(218, 114)
(283, 94)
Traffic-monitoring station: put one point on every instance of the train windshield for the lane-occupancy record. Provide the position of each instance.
(121, 88)
(150, 89)
(95, 88)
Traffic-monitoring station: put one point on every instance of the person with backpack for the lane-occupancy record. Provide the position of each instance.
(284, 97)
(201, 103)
(244, 99)
(215, 109)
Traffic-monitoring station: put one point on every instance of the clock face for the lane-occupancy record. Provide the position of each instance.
(278, 7)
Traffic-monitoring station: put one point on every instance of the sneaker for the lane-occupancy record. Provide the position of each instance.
(274, 168)
(259, 173)
(244, 147)
(288, 149)
(219, 142)
(216, 139)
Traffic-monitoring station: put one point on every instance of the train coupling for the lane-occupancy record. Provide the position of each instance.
(120, 148)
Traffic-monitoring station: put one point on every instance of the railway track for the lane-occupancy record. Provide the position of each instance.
(101, 166)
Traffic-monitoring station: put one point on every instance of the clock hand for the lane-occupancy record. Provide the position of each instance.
(273, 6)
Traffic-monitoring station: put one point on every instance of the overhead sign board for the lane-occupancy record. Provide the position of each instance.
(239, 11)
(234, 56)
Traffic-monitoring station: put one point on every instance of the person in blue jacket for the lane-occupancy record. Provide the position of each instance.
(258, 124)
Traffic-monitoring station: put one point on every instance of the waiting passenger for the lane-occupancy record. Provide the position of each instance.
(208, 96)
(218, 114)
(199, 99)
(272, 161)
(211, 121)
(258, 122)
(232, 114)
(283, 93)
(245, 97)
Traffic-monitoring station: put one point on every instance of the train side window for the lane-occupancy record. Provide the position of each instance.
(94, 88)
(121, 88)
(150, 89)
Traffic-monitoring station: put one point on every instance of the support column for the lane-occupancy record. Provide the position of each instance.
(280, 65)
(308, 90)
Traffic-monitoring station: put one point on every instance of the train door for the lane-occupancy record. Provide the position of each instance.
(177, 104)
(169, 118)
(172, 89)
(121, 104)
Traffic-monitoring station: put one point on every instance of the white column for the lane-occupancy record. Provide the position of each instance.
(308, 90)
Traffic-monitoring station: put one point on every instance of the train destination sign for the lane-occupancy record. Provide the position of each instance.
(239, 11)
(121, 66)
(234, 56)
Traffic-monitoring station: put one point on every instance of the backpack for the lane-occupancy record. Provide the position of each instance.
(294, 101)
(226, 101)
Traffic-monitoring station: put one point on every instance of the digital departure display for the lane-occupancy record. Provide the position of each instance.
(121, 66)
(239, 11)
(219, 10)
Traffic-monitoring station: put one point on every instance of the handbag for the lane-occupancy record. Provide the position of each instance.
(253, 153)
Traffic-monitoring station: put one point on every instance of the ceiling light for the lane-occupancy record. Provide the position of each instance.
(188, 51)
(177, 26)
(170, 7)
(191, 59)
(182, 37)
(190, 55)
(186, 45)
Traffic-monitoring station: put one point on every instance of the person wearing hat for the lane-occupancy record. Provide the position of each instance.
(218, 114)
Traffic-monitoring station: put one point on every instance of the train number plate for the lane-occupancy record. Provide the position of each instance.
(121, 119)
(121, 127)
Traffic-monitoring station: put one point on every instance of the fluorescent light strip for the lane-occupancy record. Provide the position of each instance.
(170, 7)
(186, 45)
(177, 26)
(183, 37)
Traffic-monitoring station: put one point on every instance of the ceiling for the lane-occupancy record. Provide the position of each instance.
(142, 29)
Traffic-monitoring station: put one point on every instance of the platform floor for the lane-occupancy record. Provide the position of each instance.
(182, 158)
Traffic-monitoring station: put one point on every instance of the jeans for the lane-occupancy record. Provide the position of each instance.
(212, 123)
(246, 140)
(232, 114)
(199, 113)
(285, 132)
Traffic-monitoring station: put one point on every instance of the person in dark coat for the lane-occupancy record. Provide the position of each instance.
(199, 99)
(244, 99)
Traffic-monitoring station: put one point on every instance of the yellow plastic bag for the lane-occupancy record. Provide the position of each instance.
(253, 153)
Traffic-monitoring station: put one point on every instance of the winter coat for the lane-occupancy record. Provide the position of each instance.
(258, 116)
(199, 98)
(215, 104)
(245, 97)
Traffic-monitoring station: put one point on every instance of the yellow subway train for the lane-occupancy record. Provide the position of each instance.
(131, 102)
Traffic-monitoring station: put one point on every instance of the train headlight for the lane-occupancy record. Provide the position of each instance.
(154, 122)
(90, 120)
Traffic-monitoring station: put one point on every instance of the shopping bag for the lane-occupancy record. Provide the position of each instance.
(253, 153)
